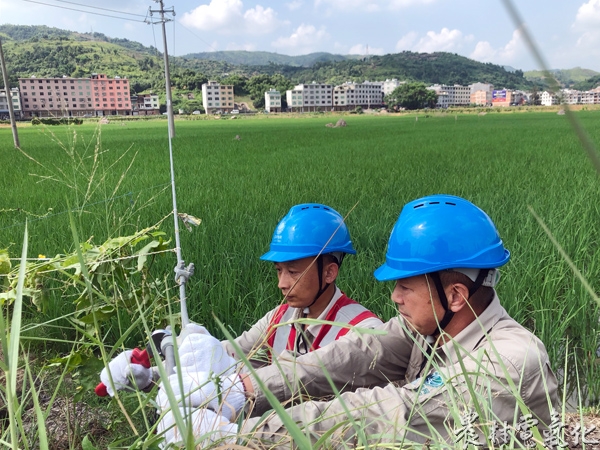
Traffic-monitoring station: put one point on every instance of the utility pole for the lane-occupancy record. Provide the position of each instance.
(162, 12)
(11, 111)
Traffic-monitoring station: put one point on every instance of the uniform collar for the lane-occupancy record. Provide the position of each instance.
(471, 335)
(314, 329)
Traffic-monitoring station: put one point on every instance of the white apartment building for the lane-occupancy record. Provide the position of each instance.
(549, 99)
(294, 99)
(350, 95)
(273, 101)
(16, 103)
(570, 96)
(481, 87)
(591, 97)
(390, 85)
(217, 98)
(310, 97)
(456, 95)
(145, 105)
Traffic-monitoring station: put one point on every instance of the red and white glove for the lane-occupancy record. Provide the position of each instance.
(226, 395)
(129, 370)
(207, 427)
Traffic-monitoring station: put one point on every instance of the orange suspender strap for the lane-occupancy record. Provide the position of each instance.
(272, 330)
(362, 316)
(331, 315)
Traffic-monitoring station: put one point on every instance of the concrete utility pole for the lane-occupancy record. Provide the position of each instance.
(162, 21)
(11, 111)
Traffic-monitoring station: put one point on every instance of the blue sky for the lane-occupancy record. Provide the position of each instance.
(567, 31)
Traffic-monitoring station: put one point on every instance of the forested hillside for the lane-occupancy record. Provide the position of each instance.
(242, 57)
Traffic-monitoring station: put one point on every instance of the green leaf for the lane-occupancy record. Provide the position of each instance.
(86, 444)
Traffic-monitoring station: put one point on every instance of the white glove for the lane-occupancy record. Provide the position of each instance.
(207, 427)
(223, 395)
(130, 369)
(203, 353)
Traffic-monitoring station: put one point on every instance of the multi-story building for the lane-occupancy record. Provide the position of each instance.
(295, 100)
(456, 95)
(273, 101)
(549, 99)
(350, 95)
(390, 85)
(570, 96)
(481, 94)
(16, 103)
(145, 105)
(482, 98)
(310, 97)
(217, 98)
(66, 97)
(110, 96)
(591, 97)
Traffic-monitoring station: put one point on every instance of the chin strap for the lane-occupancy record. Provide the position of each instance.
(448, 314)
(306, 310)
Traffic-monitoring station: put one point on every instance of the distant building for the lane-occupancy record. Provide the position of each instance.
(350, 95)
(145, 105)
(217, 98)
(111, 96)
(310, 97)
(390, 85)
(481, 98)
(455, 95)
(77, 97)
(591, 97)
(549, 99)
(16, 103)
(273, 101)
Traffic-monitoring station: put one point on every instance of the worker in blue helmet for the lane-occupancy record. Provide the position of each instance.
(448, 370)
(307, 250)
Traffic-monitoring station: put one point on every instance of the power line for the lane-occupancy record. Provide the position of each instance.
(102, 9)
(83, 11)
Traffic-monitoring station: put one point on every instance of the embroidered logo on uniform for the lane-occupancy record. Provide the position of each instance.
(432, 381)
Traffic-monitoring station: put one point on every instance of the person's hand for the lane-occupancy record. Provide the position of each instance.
(223, 395)
(207, 427)
(200, 352)
(130, 369)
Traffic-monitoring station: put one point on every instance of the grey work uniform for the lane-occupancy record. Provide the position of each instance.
(393, 395)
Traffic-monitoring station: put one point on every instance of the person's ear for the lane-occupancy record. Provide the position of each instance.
(330, 272)
(457, 295)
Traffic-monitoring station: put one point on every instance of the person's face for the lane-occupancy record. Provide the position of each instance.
(418, 303)
(297, 287)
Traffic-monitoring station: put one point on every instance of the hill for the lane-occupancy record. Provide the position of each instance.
(430, 68)
(566, 77)
(265, 58)
(46, 51)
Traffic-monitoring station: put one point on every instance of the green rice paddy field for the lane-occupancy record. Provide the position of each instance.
(116, 178)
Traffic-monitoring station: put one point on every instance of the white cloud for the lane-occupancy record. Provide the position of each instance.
(407, 41)
(587, 22)
(294, 5)
(588, 15)
(445, 41)
(246, 46)
(229, 17)
(369, 5)
(361, 49)
(305, 39)
(509, 53)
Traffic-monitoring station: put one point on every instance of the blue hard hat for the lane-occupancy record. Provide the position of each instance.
(441, 232)
(308, 230)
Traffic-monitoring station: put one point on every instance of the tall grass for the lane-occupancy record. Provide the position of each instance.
(115, 178)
